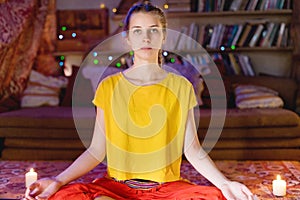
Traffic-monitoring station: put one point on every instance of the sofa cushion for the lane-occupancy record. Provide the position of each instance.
(253, 117)
(253, 96)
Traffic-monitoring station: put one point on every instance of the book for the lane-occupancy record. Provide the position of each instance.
(280, 34)
(235, 5)
(256, 35)
(266, 35)
(234, 64)
(237, 35)
(244, 35)
(273, 34)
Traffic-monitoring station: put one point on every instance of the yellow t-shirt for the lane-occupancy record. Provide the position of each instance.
(145, 126)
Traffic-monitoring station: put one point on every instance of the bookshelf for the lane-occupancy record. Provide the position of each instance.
(274, 59)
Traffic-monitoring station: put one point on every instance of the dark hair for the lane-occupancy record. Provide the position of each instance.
(147, 7)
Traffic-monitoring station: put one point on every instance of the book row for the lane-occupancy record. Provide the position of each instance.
(249, 34)
(234, 5)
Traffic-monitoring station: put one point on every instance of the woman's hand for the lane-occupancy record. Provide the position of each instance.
(42, 189)
(236, 191)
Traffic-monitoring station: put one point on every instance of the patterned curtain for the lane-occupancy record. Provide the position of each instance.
(21, 32)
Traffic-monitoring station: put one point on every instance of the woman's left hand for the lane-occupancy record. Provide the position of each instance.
(236, 191)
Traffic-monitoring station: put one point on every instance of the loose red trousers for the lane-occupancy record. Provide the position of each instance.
(182, 190)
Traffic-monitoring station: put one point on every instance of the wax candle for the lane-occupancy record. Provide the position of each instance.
(30, 177)
(279, 186)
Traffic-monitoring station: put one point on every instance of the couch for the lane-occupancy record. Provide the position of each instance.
(51, 133)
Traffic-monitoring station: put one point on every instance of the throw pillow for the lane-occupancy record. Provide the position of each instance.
(42, 90)
(254, 96)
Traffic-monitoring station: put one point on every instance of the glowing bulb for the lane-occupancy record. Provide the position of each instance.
(166, 6)
(232, 47)
(62, 57)
(110, 58)
(61, 63)
(222, 48)
(95, 54)
(102, 5)
(74, 35)
(63, 28)
(118, 64)
(172, 60)
(60, 37)
(165, 53)
(114, 10)
(96, 62)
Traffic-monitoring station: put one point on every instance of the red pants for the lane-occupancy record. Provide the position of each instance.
(107, 187)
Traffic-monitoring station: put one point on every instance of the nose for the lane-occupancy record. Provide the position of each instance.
(146, 37)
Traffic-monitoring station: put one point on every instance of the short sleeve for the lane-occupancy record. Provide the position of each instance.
(99, 96)
(192, 97)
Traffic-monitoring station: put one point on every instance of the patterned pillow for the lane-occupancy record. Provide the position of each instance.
(42, 90)
(254, 96)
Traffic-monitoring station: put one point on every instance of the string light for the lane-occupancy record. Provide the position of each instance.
(233, 47)
(114, 10)
(118, 64)
(166, 6)
(222, 48)
(102, 5)
(74, 35)
(60, 36)
(165, 53)
(95, 54)
(63, 28)
(172, 60)
(62, 57)
(61, 63)
(96, 61)
(110, 58)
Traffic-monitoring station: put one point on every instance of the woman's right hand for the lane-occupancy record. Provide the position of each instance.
(43, 189)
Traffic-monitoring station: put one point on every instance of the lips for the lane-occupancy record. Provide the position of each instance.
(146, 48)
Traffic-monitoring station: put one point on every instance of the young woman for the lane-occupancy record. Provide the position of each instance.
(144, 123)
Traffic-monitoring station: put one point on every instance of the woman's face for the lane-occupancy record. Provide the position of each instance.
(145, 35)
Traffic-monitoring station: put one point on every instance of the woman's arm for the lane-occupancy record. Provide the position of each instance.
(198, 157)
(91, 157)
(44, 188)
(205, 166)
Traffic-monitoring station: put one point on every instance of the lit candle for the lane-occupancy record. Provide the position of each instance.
(279, 186)
(30, 177)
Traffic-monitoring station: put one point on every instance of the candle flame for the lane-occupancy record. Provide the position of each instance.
(31, 170)
(278, 177)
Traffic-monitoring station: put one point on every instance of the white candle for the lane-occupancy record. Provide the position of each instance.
(30, 177)
(279, 186)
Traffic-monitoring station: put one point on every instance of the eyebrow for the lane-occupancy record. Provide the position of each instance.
(149, 26)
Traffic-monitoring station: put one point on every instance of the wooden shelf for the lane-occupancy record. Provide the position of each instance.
(268, 13)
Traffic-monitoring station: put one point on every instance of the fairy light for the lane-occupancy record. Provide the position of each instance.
(96, 61)
(114, 10)
(102, 5)
(62, 57)
(60, 37)
(172, 60)
(95, 54)
(74, 35)
(63, 28)
(233, 47)
(165, 53)
(110, 58)
(118, 64)
(166, 6)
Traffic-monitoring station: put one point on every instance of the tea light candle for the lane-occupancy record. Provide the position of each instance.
(279, 186)
(30, 177)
